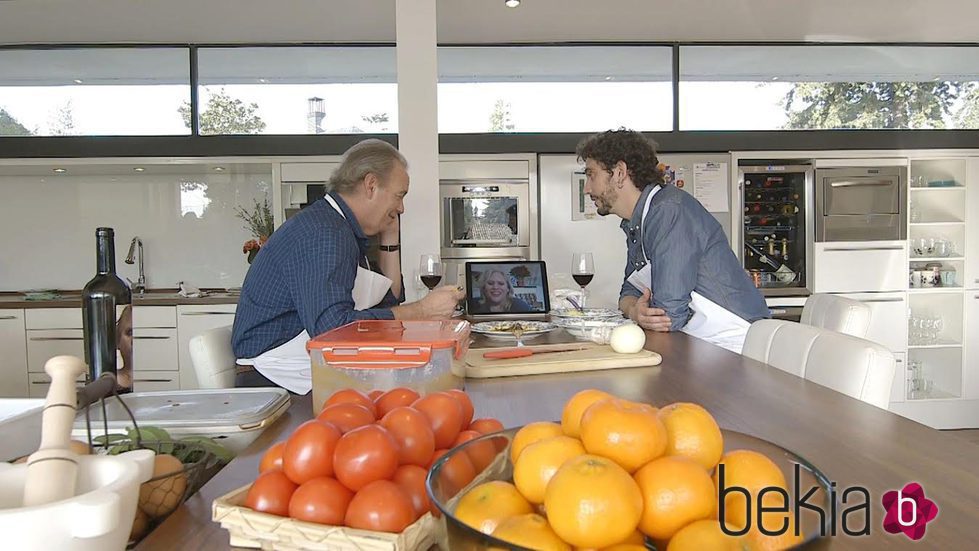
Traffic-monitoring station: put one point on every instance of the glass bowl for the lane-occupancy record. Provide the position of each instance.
(459, 536)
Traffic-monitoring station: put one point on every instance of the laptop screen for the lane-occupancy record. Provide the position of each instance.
(507, 288)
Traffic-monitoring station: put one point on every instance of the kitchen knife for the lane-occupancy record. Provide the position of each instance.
(509, 353)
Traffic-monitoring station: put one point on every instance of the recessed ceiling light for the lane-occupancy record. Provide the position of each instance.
(608, 78)
(78, 81)
(139, 169)
(774, 78)
(60, 170)
(263, 80)
(511, 3)
(219, 169)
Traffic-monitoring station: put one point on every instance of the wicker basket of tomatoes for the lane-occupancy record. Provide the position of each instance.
(354, 477)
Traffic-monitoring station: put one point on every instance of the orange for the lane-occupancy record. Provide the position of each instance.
(752, 471)
(636, 538)
(675, 491)
(530, 531)
(575, 408)
(626, 432)
(539, 461)
(705, 534)
(488, 504)
(692, 432)
(625, 547)
(531, 433)
(774, 521)
(593, 502)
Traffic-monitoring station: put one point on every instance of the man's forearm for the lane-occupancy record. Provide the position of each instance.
(390, 261)
(409, 311)
(626, 304)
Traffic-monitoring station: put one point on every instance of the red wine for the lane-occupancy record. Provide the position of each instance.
(431, 281)
(583, 279)
(103, 298)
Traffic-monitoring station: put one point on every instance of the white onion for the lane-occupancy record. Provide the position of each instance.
(627, 339)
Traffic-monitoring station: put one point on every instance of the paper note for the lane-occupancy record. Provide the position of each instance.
(710, 186)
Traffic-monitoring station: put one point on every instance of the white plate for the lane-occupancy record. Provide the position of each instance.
(504, 329)
(588, 313)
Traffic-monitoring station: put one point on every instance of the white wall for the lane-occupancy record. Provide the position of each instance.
(48, 226)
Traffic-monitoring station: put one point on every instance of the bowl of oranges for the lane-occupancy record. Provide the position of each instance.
(619, 475)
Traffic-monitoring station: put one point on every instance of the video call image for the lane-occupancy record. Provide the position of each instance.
(506, 287)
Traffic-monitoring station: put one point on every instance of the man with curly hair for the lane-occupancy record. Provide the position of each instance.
(680, 274)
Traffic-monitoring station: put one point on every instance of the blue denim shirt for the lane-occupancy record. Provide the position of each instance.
(303, 278)
(689, 252)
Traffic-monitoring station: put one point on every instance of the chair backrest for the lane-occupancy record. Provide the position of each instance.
(853, 366)
(213, 358)
(840, 314)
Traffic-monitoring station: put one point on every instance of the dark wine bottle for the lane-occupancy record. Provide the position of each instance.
(107, 316)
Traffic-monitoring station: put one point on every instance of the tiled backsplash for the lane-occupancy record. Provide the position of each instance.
(185, 218)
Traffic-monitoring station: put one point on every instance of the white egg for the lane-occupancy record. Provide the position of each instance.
(627, 339)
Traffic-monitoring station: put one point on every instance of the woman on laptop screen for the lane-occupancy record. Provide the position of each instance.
(496, 295)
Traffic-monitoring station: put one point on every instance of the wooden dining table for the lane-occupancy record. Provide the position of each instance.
(851, 442)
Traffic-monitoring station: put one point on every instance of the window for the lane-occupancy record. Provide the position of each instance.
(93, 91)
(554, 88)
(298, 90)
(828, 87)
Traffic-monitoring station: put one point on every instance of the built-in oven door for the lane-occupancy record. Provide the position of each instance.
(860, 204)
(485, 218)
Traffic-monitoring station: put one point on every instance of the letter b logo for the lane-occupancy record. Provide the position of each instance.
(913, 510)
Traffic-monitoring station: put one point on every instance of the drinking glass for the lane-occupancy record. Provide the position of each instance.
(582, 270)
(430, 270)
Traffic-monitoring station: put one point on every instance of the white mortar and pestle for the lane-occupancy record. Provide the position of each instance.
(62, 500)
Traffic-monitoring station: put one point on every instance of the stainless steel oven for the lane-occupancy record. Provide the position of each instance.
(485, 218)
(860, 204)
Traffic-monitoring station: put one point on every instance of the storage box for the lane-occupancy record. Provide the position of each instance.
(233, 417)
(255, 530)
(426, 356)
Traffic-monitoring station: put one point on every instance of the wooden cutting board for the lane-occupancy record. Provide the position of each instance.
(593, 358)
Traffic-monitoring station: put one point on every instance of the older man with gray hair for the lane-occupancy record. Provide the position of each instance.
(313, 274)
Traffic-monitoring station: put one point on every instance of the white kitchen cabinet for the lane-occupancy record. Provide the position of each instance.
(155, 342)
(39, 382)
(153, 381)
(970, 375)
(44, 344)
(898, 386)
(53, 318)
(13, 354)
(888, 318)
(193, 320)
(970, 247)
(860, 266)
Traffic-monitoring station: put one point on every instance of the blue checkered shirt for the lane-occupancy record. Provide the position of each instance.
(303, 278)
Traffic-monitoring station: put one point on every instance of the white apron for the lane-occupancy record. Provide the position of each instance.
(288, 365)
(710, 321)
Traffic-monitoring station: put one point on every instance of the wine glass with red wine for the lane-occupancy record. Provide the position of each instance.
(582, 270)
(430, 270)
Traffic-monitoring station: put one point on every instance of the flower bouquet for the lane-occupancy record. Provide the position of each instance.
(260, 223)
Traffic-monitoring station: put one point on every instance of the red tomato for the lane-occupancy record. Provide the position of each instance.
(270, 493)
(457, 471)
(346, 416)
(411, 479)
(481, 453)
(489, 426)
(381, 505)
(322, 500)
(309, 451)
(272, 458)
(396, 397)
(445, 415)
(374, 395)
(465, 403)
(413, 433)
(351, 396)
(364, 455)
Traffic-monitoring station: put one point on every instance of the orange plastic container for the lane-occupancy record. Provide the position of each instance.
(426, 356)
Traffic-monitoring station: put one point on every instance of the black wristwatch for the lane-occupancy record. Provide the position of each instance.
(390, 248)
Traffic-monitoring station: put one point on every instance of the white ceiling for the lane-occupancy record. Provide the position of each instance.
(481, 21)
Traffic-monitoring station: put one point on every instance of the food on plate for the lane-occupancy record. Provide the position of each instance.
(627, 338)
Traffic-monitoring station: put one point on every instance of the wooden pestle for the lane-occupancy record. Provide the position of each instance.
(52, 470)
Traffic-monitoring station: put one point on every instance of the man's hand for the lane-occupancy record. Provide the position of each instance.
(648, 317)
(440, 303)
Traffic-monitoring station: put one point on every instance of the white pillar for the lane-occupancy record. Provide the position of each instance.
(418, 133)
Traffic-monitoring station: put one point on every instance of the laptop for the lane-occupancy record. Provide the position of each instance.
(505, 290)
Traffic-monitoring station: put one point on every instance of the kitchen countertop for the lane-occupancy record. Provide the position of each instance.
(155, 297)
(852, 442)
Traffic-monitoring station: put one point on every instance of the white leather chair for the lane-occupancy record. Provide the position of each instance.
(836, 313)
(853, 366)
(213, 358)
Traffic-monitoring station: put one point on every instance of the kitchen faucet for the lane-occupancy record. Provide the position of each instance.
(134, 247)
